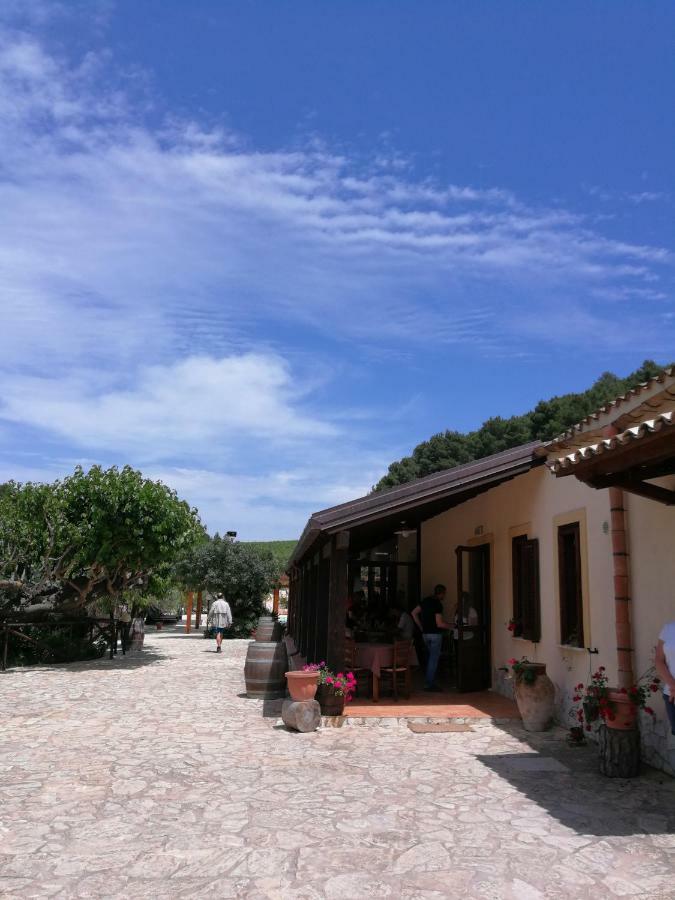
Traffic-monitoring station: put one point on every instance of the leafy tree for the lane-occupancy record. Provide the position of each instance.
(93, 534)
(547, 420)
(243, 572)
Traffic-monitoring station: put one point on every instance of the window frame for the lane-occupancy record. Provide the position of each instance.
(565, 577)
(526, 609)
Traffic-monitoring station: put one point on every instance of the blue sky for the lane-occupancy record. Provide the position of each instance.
(260, 250)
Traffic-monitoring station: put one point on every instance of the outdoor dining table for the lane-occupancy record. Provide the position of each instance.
(375, 656)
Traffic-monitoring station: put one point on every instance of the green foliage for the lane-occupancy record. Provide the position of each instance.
(280, 550)
(546, 421)
(54, 644)
(93, 534)
(244, 573)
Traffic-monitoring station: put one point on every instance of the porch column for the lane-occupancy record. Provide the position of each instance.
(622, 592)
(275, 601)
(338, 589)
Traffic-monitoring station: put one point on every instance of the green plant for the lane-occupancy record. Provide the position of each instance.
(343, 684)
(524, 670)
(593, 701)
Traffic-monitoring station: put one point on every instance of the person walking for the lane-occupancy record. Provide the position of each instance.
(428, 617)
(219, 619)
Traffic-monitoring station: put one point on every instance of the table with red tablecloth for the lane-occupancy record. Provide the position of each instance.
(377, 656)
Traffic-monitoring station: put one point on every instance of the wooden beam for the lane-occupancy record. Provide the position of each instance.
(198, 613)
(635, 486)
(338, 587)
(275, 601)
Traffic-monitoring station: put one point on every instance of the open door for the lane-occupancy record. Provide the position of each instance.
(472, 622)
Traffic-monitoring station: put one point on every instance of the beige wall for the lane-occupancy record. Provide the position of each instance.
(538, 502)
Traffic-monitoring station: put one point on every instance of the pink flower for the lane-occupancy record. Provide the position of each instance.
(512, 661)
(649, 710)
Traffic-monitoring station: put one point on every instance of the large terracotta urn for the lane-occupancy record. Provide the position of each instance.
(535, 698)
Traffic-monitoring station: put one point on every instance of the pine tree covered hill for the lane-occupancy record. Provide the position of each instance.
(280, 550)
(547, 420)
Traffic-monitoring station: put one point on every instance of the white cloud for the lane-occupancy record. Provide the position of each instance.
(201, 405)
(152, 277)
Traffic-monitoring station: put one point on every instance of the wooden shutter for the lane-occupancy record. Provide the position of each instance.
(526, 599)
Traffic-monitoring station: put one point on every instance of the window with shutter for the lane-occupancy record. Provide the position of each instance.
(569, 574)
(526, 601)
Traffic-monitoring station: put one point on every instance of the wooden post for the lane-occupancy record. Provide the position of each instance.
(198, 614)
(188, 612)
(338, 587)
(275, 601)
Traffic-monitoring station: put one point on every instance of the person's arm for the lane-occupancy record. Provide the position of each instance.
(416, 616)
(663, 671)
(441, 623)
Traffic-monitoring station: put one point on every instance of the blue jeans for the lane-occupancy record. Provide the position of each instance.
(433, 645)
(670, 710)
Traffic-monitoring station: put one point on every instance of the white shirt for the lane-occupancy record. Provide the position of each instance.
(471, 618)
(668, 637)
(220, 614)
(406, 626)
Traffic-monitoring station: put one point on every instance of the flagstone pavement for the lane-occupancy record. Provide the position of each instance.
(153, 777)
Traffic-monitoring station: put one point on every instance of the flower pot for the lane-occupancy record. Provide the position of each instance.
(535, 700)
(332, 704)
(302, 685)
(158, 626)
(625, 712)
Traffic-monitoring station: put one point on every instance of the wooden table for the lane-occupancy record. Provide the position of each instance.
(377, 656)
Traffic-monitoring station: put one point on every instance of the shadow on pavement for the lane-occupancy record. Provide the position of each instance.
(566, 782)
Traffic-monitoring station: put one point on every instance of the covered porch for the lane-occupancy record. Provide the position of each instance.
(358, 565)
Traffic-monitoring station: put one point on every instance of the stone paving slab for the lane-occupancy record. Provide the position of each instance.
(153, 777)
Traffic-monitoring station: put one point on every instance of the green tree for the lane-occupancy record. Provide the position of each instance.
(244, 573)
(546, 421)
(93, 534)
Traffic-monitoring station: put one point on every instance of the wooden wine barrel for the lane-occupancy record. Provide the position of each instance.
(265, 670)
(268, 629)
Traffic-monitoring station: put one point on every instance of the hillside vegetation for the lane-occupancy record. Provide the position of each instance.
(281, 550)
(548, 419)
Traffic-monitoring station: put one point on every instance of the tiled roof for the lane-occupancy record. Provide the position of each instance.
(607, 445)
(623, 410)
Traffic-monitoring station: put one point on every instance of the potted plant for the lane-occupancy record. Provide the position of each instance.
(334, 690)
(534, 693)
(302, 683)
(617, 708)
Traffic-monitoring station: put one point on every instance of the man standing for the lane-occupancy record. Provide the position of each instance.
(428, 616)
(219, 618)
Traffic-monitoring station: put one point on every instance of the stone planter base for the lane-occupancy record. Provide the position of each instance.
(301, 715)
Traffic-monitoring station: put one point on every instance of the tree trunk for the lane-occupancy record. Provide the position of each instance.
(619, 752)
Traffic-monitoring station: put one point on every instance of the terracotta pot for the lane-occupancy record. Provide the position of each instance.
(158, 626)
(535, 701)
(332, 704)
(302, 685)
(625, 712)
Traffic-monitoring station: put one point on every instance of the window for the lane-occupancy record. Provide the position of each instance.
(526, 605)
(569, 573)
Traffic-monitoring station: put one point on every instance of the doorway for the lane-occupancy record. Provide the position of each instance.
(472, 624)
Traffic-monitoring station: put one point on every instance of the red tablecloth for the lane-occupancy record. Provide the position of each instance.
(374, 656)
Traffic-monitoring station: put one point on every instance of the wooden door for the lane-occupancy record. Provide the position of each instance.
(472, 621)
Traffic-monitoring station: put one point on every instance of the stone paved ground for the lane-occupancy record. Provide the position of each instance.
(153, 777)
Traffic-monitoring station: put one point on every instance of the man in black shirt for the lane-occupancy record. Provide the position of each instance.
(428, 616)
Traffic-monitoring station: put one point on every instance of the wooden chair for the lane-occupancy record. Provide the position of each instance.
(400, 667)
(360, 672)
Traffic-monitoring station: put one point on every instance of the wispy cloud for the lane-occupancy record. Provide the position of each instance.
(153, 276)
